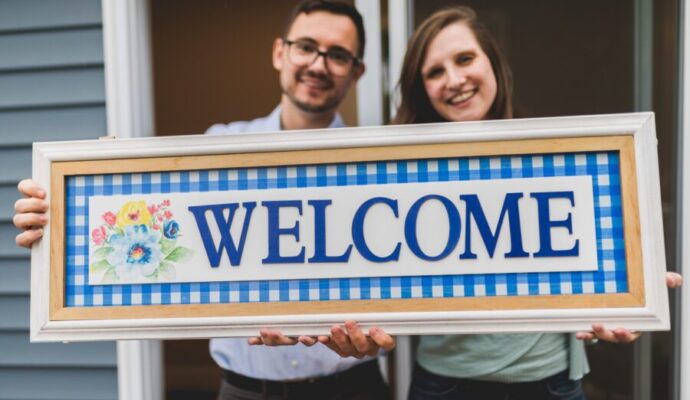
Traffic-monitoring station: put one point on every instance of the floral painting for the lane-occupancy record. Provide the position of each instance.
(138, 243)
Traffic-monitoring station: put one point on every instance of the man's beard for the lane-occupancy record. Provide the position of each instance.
(330, 103)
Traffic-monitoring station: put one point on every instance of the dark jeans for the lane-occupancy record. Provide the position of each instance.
(427, 385)
(361, 382)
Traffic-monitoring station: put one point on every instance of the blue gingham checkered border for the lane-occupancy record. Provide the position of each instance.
(603, 167)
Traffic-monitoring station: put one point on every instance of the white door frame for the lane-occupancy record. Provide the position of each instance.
(129, 112)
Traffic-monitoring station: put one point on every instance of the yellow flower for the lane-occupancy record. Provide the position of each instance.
(133, 213)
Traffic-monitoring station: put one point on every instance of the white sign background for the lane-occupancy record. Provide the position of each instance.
(382, 230)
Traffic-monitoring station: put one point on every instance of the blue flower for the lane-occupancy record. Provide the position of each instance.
(171, 229)
(135, 254)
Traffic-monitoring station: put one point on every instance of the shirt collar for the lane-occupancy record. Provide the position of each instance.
(273, 121)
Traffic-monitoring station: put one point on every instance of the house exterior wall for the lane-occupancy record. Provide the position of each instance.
(51, 88)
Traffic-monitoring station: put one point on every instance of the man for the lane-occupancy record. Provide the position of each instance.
(318, 58)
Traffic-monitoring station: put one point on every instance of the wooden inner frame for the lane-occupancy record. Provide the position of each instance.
(624, 144)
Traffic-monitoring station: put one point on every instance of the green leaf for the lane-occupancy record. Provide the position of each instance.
(153, 278)
(99, 266)
(110, 276)
(167, 246)
(102, 252)
(166, 271)
(180, 254)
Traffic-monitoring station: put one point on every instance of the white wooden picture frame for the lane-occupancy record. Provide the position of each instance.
(623, 285)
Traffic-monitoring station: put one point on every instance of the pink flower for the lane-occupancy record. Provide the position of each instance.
(152, 208)
(167, 214)
(160, 218)
(98, 235)
(110, 218)
(156, 227)
(166, 203)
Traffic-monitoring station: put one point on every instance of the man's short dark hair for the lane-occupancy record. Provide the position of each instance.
(333, 7)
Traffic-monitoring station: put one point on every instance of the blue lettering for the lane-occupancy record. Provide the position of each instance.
(320, 255)
(358, 230)
(546, 224)
(214, 252)
(411, 227)
(275, 232)
(474, 209)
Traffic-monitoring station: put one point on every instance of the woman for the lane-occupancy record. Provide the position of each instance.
(454, 71)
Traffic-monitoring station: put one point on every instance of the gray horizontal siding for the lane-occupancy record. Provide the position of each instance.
(51, 49)
(14, 313)
(48, 14)
(52, 88)
(8, 195)
(15, 277)
(18, 352)
(8, 249)
(15, 164)
(22, 127)
(73, 383)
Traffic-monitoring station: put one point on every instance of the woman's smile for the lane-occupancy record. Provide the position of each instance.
(461, 98)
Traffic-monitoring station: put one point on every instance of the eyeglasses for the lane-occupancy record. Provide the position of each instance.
(303, 53)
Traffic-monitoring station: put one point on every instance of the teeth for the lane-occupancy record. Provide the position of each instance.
(461, 97)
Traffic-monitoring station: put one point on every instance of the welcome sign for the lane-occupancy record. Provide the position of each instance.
(500, 226)
(432, 228)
